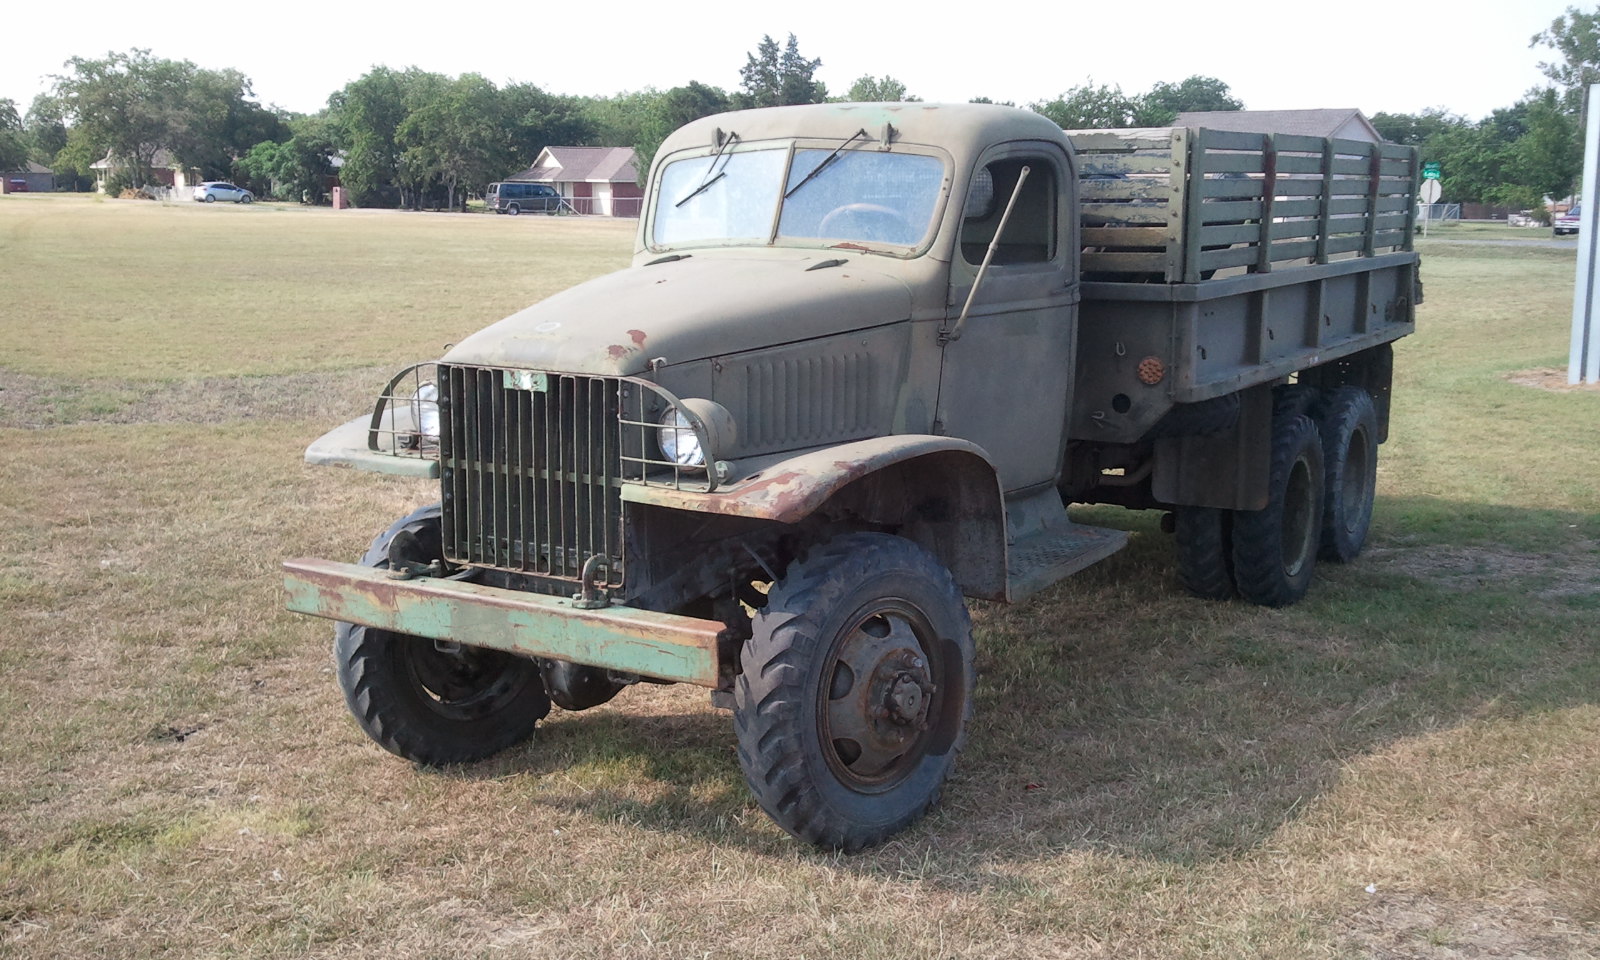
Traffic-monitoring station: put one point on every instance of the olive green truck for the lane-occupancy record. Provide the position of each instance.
(865, 357)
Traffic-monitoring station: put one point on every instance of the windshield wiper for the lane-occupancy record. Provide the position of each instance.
(707, 180)
(826, 160)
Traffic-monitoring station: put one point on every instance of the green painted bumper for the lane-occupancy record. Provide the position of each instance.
(644, 642)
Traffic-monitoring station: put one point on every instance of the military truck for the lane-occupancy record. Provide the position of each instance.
(865, 357)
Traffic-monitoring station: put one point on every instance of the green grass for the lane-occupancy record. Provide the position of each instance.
(1150, 775)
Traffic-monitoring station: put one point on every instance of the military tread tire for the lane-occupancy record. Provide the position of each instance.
(1349, 427)
(1204, 547)
(425, 705)
(1275, 548)
(855, 689)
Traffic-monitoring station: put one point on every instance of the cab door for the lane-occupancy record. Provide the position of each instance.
(1005, 383)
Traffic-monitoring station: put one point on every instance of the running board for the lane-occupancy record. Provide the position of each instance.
(1055, 553)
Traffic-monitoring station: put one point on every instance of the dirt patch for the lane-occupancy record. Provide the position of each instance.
(1417, 927)
(1550, 378)
(30, 402)
(1574, 571)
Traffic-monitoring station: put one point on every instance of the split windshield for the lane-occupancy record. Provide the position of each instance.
(830, 196)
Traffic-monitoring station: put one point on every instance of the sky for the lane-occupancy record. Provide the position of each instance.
(1468, 56)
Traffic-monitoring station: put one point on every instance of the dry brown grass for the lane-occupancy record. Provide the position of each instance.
(1151, 776)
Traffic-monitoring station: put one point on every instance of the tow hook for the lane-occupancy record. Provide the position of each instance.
(589, 596)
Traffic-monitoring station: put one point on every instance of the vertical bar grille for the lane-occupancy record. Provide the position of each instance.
(530, 470)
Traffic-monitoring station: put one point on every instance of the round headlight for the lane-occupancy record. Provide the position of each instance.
(678, 440)
(425, 410)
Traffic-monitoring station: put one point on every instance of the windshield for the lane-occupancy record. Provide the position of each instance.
(859, 196)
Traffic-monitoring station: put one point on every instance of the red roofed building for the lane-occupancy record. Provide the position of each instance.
(594, 180)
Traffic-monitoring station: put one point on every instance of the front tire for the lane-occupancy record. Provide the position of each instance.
(855, 688)
(1275, 548)
(425, 704)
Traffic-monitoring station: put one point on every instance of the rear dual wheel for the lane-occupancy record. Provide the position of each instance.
(1324, 472)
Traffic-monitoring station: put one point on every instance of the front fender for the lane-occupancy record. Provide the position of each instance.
(942, 492)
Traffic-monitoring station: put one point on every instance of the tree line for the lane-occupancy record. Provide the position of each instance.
(416, 139)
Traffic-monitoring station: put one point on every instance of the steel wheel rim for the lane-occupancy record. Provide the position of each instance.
(1356, 483)
(879, 696)
(1299, 520)
(466, 685)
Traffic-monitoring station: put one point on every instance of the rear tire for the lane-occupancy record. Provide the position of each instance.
(210, 198)
(1275, 548)
(513, 210)
(1349, 426)
(424, 704)
(1205, 553)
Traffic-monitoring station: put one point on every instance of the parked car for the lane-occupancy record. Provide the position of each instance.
(213, 190)
(1568, 222)
(514, 198)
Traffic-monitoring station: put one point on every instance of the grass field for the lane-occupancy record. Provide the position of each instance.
(1407, 764)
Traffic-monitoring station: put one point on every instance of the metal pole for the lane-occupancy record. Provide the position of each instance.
(1583, 365)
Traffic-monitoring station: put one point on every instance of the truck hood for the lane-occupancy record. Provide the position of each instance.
(689, 309)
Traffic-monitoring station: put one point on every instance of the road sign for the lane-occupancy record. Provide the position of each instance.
(1430, 170)
(1430, 191)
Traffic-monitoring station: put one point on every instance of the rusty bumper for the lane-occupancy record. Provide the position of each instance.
(650, 644)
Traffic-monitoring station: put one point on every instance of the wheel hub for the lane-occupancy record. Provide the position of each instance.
(879, 696)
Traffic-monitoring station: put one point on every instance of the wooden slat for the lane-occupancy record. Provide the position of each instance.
(1297, 250)
(1347, 205)
(1297, 208)
(1218, 211)
(1089, 141)
(1299, 186)
(1233, 257)
(1147, 263)
(1393, 204)
(1132, 189)
(1234, 163)
(1230, 233)
(1296, 143)
(1114, 163)
(1352, 166)
(1230, 140)
(1232, 188)
(1133, 214)
(1154, 238)
(1346, 244)
(1291, 229)
(1296, 164)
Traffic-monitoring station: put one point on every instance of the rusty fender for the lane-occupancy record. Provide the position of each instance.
(643, 642)
(959, 512)
(791, 490)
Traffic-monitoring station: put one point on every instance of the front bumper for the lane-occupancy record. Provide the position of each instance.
(658, 645)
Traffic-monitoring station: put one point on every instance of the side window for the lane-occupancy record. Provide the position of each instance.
(1030, 235)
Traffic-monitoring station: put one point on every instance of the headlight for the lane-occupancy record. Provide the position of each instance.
(678, 441)
(425, 410)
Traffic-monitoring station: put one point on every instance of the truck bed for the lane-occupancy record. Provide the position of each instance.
(1215, 261)
(1178, 205)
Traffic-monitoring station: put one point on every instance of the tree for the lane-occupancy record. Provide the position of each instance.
(13, 145)
(886, 89)
(129, 106)
(771, 79)
(1575, 37)
(1162, 103)
(1088, 106)
(671, 110)
(368, 113)
(456, 136)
